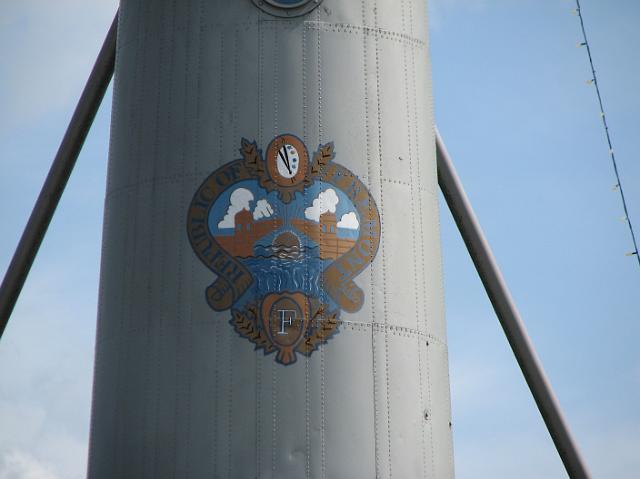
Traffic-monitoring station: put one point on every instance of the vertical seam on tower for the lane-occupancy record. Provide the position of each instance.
(221, 72)
(305, 193)
(440, 297)
(235, 135)
(257, 354)
(147, 381)
(422, 236)
(189, 311)
(228, 330)
(413, 227)
(450, 435)
(418, 156)
(133, 230)
(180, 257)
(166, 154)
(152, 247)
(236, 48)
(196, 164)
(218, 325)
(417, 135)
(322, 344)
(274, 370)
(382, 242)
(427, 316)
(183, 200)
(424, 276)
(373, 309)
(212, 429)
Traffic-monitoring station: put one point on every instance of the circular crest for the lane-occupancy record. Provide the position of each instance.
(285, 237)
(287, 8)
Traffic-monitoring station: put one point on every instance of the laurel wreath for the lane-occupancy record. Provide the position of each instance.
(320, 329)
(254, 162)
(247, 325)
(323, 329)
(321, 158)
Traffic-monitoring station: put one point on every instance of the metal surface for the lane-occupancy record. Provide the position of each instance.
(178, 392)
(58, 176)
(287, 8)
(508, 315)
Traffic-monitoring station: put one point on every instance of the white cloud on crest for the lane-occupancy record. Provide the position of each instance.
(263, 210)
(349, 221)
(239, 200)
(325, 202)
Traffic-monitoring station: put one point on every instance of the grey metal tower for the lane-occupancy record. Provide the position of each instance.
(271, 296)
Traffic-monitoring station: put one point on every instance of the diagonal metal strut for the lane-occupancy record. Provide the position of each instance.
(58, 176)
(508, 314)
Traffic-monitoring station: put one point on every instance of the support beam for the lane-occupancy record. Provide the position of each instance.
(508, 315)
(58, 176)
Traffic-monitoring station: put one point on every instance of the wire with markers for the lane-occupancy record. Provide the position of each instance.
(618, 186)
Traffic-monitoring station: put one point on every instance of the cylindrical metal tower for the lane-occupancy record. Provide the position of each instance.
(271, 296)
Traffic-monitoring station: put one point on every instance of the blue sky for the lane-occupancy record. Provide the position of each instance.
(523, 128)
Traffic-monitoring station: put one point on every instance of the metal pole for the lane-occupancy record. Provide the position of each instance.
(58, 176)
(507, 313)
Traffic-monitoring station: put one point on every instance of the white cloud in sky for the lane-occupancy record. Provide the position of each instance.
(239, 200)
(325, 202)
(262, 210)
(46, 365)
(16, 464)
(349, 221)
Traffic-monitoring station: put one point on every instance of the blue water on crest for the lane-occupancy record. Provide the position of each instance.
(277, 269)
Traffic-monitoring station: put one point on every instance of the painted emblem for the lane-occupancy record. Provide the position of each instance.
(286, 235)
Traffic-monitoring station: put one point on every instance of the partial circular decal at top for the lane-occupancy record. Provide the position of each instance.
(287, 8)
